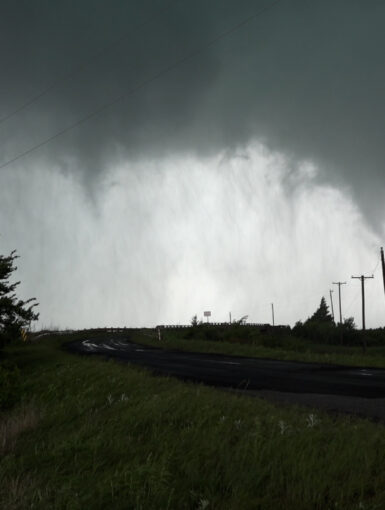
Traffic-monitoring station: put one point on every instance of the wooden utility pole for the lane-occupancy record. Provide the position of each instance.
(383, 265)
(339, 296)
(272, 312)
(331, 302)
(363, 278)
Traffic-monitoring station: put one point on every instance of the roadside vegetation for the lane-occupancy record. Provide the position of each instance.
(90, 433)
(285, 344)
(319, 339)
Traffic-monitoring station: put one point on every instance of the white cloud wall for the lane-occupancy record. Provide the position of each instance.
(163, 240)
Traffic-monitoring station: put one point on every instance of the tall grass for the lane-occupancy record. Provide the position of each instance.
(12, 424)
(115, 436)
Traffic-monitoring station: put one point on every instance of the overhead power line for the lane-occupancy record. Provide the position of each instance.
(83, 65)
(352, 301)
(376, 266)
(144, 83)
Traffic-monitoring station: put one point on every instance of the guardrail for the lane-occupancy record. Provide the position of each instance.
(222, 324)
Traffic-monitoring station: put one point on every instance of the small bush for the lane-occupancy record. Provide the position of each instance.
(10, 385)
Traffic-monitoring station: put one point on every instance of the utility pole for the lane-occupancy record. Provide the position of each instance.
(272, 312)
(230, 316)
(339, 296)
(331, 302)
(363, 278)
(383, 265)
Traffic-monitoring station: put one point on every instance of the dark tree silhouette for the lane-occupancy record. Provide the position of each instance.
(322, 314)
(14, 313)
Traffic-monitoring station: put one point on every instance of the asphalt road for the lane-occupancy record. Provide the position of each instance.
(332, 387)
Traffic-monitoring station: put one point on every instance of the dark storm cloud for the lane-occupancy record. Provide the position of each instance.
(306, 78)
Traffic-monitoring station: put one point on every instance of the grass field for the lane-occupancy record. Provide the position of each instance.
(285, 349)
(91, 433)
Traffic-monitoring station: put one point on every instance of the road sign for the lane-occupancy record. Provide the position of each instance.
(207, 314)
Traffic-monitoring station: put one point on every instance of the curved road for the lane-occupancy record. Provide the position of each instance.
(332, 387)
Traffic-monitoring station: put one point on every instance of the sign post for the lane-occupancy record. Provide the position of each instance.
(207, 315)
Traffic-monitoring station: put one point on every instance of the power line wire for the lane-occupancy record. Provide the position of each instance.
(376, 266)
(144, 83)
(84, 64)
(352, 301)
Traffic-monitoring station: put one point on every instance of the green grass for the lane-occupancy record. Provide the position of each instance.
(91, 433)
(287, 348)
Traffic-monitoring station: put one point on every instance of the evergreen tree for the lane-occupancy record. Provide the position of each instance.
(322, 314)
(14, 313)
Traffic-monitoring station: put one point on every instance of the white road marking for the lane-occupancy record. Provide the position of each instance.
(108, 347)
(115, 342)
(89, 345)
(218, 361)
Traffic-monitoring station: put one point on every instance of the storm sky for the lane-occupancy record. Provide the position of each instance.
(216, 155)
